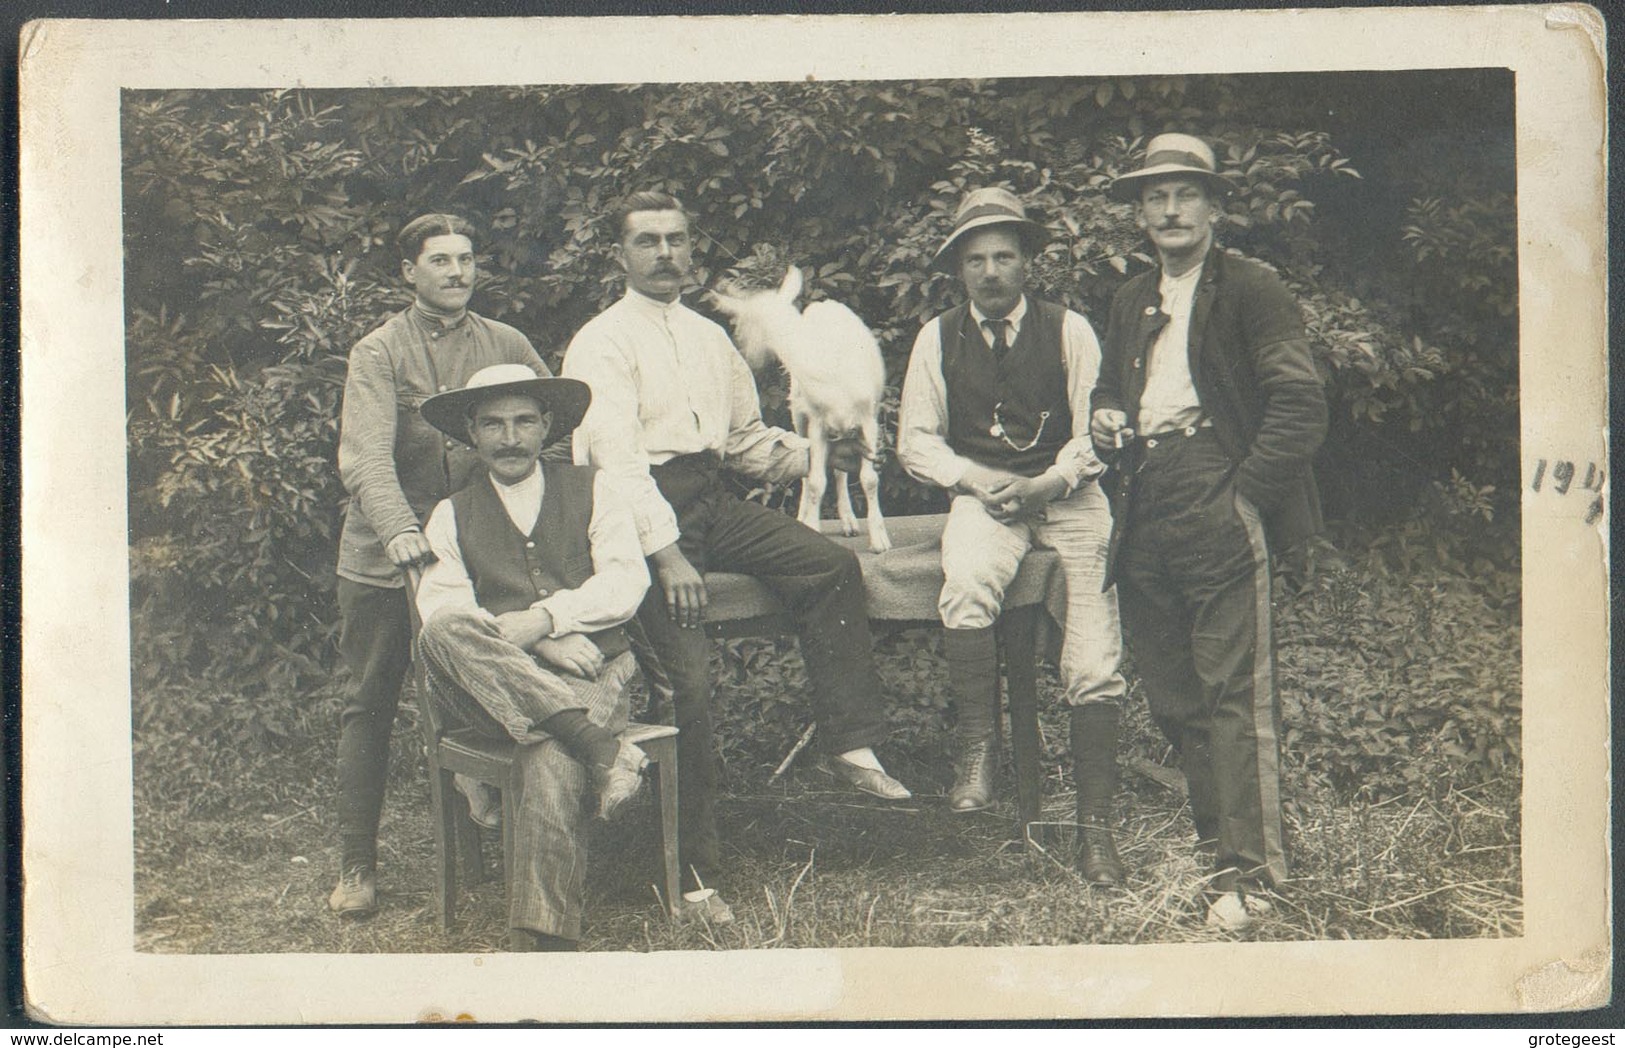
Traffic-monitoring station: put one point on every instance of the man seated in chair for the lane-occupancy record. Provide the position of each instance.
(536, 567)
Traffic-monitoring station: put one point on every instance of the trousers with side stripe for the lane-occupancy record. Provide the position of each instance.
(1193, 587)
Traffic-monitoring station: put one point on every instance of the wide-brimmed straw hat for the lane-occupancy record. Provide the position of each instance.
(1172, 154)
(990, 207)
(566, 398)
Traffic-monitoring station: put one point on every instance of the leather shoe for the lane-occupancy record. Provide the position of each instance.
(870, 780)
(484, 805)
(618, 782)
(1236, 911)
(356, 894)
(709, 908)
(1097, 856)
(973, 777)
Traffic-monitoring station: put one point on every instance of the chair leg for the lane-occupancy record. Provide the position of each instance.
(468, 842)
(441, 792)
(665, 787)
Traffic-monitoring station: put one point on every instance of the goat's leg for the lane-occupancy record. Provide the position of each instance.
(812, 486)
(869, 477)
(843, 503)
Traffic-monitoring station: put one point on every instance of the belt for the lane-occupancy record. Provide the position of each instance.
(1168, 436)
(703, 461)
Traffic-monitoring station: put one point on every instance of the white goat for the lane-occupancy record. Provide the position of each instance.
(837, 379)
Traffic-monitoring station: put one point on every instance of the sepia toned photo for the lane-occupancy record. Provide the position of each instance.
(831, 525)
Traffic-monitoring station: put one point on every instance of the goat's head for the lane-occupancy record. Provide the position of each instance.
(764, 321)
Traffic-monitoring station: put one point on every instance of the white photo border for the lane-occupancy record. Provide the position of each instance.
(80, 964)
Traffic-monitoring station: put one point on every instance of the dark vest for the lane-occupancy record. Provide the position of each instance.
(1030, 380)
(510, 570)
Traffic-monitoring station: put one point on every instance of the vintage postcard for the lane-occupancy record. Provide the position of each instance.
(1397, 218)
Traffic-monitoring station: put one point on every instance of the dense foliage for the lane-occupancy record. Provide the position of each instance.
(259, 248)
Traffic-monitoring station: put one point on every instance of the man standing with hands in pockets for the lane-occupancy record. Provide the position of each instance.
(1210, 409)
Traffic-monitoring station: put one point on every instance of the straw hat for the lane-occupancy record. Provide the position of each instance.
(1167, 155)
(566, 398)
(990, 207)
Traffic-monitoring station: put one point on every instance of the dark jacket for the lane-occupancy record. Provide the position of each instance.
(1254, 373)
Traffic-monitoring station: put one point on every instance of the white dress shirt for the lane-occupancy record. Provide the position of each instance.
(1170, 401)
(668, 382)
(922, 429)
(608, 598)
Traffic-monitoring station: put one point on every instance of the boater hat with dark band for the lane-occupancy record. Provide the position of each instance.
(566, 398)
(1167, 155)
(990, 207)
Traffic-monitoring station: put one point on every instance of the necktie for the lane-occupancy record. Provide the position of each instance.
(996, 328)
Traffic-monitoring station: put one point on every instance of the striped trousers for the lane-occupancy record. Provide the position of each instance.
(1193, 588)
(484, 682)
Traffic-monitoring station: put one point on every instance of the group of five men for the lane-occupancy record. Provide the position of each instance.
(537, 577)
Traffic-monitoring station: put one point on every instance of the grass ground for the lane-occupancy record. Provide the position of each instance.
(244, 864)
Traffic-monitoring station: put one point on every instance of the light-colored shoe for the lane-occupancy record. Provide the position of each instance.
(356, 894)
(620, 781)
(484, 802)
(872, 781)
(1235, 911)
(709, 908)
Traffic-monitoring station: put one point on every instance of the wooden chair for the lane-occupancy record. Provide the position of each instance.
(463, 751)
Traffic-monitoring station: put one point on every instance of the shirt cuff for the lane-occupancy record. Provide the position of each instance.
(562, 623)
(658, 537)
(1069, 482)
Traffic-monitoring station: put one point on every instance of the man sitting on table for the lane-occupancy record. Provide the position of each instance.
(536, 567)
(995, 408)
(673, 402)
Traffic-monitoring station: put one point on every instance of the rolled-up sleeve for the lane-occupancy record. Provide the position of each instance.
(611, 437)
(620, 577)
(753, 447)
(922, 425)
(445, 585)
(367, 443)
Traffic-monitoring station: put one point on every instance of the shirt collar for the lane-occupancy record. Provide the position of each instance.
(1014, 316)
(436, 320)
(532, 483)
(651, 306)
(1188, 279)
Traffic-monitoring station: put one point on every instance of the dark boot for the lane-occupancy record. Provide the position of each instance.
(1094, 771)
(973, 677)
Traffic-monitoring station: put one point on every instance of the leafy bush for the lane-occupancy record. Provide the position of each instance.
(258, 228)
(1397, 683)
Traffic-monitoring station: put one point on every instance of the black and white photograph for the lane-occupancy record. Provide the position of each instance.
(857, 493)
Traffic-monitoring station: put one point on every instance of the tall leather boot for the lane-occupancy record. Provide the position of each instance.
(973, 678)
(1094, 771)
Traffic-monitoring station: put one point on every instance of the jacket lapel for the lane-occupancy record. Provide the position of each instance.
(1150, 319)
(1200, 309)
